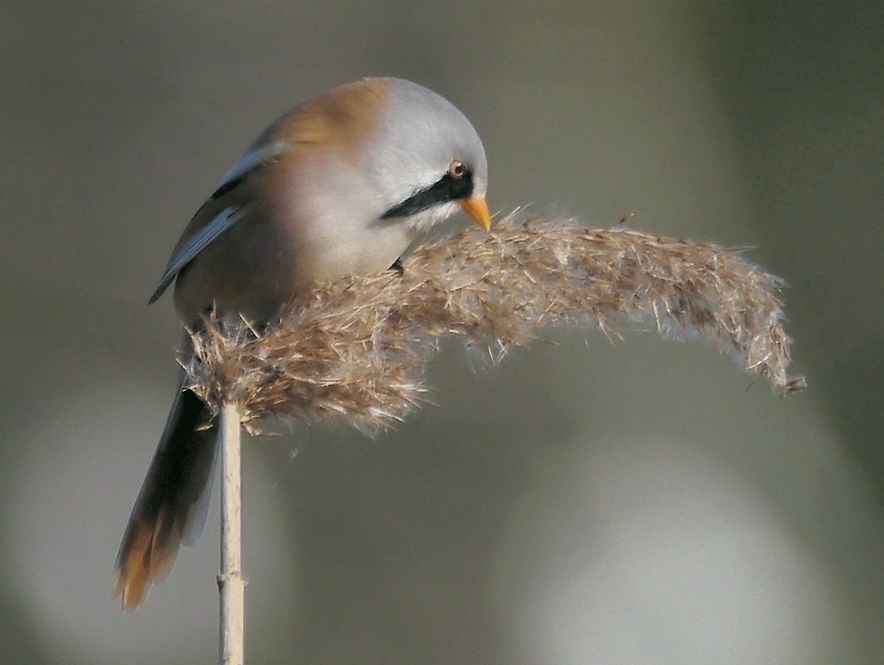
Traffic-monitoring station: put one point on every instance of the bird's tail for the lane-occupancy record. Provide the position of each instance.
(172, 504)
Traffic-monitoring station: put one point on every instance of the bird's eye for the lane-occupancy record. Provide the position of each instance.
(457, 169)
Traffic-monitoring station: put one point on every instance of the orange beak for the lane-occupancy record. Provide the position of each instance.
(477, 208)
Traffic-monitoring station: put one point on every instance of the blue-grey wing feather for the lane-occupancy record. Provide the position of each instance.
(257, 156)
(197, 243)
(253, 160)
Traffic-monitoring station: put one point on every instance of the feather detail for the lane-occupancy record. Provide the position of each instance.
(170, 509)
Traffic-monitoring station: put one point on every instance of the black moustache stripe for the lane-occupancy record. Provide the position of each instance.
(446, 189)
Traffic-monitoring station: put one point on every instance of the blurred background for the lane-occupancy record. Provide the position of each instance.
(584, 502)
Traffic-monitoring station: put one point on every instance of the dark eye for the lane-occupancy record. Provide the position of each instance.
(457, 169)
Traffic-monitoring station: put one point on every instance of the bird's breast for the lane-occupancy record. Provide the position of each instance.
(308, 223)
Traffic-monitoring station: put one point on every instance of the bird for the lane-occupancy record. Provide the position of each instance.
(340, 185)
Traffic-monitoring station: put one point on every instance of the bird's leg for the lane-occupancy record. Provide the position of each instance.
(397, 267)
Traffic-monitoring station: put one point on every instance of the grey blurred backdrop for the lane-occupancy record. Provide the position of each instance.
(585, 502)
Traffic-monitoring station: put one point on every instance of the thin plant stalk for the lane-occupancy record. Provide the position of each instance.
(231, 585)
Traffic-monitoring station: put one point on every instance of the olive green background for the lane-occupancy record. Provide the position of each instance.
(583, 502)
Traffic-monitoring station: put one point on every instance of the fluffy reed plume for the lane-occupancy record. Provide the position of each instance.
(355, 348)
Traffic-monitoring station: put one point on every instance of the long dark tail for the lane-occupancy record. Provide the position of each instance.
(173, 501)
